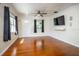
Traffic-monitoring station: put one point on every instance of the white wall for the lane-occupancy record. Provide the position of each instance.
(71, 34)
(4, 45)
(28, 28)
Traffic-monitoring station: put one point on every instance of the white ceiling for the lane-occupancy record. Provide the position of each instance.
(29, 8)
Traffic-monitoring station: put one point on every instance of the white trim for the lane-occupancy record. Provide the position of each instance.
(34, 35)
(65, 41)
(7, 48)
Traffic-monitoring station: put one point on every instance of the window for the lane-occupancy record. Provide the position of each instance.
(38, 26)
(12, 23)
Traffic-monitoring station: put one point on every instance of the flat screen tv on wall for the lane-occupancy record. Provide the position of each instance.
(59, 20)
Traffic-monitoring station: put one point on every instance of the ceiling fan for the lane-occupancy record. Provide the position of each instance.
(40, 13)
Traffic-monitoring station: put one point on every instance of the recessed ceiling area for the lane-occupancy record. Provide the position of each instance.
(50, 8)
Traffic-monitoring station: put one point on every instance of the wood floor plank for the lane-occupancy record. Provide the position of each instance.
(52, 47)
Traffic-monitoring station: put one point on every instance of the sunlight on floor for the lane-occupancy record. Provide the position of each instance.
(14, 51)
(39, 43)
(21, 42)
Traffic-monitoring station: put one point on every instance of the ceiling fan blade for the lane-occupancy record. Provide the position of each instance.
(39, 13)
(43, 13)
(35, 15)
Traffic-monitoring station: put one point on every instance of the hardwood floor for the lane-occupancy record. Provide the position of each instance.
(52, 47)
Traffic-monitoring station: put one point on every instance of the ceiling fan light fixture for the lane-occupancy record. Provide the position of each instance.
(39, 12)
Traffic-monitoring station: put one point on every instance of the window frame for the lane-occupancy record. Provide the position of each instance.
(14, 23)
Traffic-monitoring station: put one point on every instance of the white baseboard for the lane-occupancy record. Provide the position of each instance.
(7, 48)
(64, 41)
(32, 36)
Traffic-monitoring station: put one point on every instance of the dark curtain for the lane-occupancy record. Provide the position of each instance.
(16, 19)
(7, 34)
(42, 25)
(35, 29)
